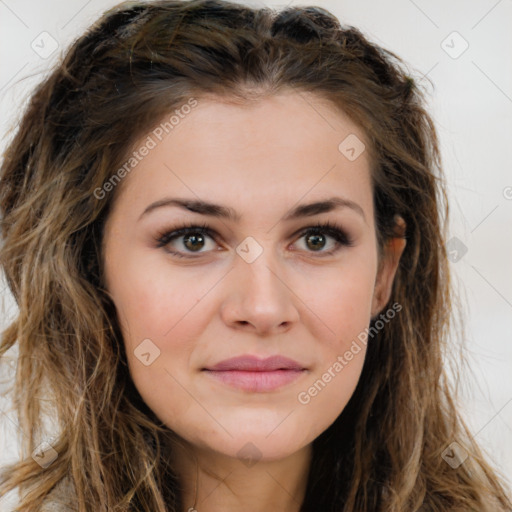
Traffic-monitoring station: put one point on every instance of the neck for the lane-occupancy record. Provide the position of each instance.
(218, 483)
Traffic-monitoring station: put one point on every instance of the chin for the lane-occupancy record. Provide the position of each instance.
(253, 446)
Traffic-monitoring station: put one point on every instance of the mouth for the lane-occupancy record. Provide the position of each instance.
(251, 374)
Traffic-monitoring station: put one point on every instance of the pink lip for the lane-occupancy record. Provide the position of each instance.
(256, 375)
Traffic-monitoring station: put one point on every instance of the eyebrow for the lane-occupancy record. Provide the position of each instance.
(224, 212)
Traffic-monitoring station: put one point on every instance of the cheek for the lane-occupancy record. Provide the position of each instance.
(344, 311)
(324, 397)
(153, 300)
(340, 299)
(160, 325)
(160, 329)
(348, 305)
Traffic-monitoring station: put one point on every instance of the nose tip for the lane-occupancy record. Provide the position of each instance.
(258, 299)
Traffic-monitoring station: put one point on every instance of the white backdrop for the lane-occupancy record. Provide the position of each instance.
(465, 49)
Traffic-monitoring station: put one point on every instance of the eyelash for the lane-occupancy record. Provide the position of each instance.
(338, 234)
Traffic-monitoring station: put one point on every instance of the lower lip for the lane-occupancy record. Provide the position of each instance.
(256, 381)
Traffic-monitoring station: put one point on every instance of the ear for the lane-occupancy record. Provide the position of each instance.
(388, 265)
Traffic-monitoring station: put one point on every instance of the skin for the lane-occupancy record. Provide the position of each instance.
(261, 160)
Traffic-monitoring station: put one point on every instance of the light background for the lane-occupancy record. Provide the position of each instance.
(471, 103)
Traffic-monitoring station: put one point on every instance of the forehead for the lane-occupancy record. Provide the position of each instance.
(277, 121)
(280, 148)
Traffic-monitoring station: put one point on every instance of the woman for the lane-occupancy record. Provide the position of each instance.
(224, 229)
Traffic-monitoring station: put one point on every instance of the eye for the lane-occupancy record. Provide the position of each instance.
(315, 238)
(194, 238)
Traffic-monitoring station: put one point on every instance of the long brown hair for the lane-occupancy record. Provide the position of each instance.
(385, 450)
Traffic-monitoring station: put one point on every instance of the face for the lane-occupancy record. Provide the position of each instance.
(252, 276)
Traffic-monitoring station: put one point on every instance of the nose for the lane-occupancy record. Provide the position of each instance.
(258, 299)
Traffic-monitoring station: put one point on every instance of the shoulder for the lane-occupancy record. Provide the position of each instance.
(61, 498)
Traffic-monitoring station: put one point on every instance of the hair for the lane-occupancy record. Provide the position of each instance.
(138, 61)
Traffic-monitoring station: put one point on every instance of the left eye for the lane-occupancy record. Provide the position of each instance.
(315, 238)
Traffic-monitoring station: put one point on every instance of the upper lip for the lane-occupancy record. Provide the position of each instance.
(251, 363)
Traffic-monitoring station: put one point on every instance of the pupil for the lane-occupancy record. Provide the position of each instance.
(316, 238)
(194, 238)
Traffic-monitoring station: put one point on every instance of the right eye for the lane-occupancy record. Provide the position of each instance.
(193, 237)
